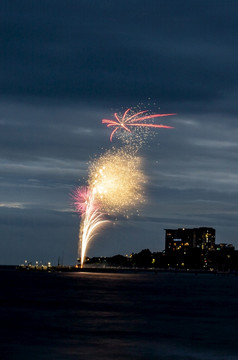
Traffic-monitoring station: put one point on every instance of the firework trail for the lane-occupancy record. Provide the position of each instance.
(91, 218)
(129, 119)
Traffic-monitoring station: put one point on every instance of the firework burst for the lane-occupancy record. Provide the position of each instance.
(115, 186)
(81, 198)
(129, 119)
(117, 180)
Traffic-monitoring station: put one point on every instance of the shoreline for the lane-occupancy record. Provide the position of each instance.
(122, 270)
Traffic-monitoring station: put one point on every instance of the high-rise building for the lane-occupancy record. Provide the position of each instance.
(184, 239)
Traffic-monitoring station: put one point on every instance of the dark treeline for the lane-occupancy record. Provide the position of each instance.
(218, 260)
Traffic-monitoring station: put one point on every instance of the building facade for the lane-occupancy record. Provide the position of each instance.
(183, 239)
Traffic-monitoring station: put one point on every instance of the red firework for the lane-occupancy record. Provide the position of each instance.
(127, 120)
(81, 197)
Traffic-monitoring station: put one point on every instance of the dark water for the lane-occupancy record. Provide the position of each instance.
(118, 316)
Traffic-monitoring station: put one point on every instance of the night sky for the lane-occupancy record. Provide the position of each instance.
(65, 65)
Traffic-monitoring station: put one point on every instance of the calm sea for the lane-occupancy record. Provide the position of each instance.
(88, 316)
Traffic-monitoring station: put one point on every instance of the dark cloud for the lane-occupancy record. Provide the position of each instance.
(123, 52)
(66, 65)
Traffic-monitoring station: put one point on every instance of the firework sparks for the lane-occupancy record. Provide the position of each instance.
(128, 120)
(91, 221)
(91, 218)
(117, 180)
(115, 186)
(81, 198)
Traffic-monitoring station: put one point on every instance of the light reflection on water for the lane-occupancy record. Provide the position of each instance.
(118, 316)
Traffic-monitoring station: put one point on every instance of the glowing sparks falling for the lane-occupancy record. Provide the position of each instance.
(129, 119)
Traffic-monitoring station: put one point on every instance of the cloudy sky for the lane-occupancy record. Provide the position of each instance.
(65, 65)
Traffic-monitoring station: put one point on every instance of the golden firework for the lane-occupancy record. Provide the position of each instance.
(117, 180)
